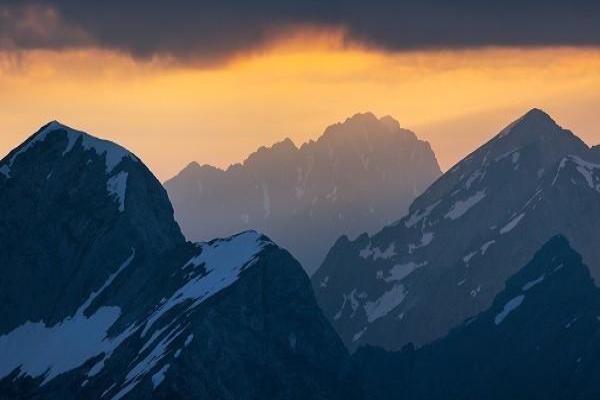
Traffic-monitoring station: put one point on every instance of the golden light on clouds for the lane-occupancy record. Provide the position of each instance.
(170, 114)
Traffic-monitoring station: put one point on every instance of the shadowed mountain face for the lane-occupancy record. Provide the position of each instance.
(359, 176)
(101, 296)
(539, 339)
(462, 239)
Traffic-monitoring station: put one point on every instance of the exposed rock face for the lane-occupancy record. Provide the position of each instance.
(464, 237)
(540, 339)
(102, 297)
(357, 177)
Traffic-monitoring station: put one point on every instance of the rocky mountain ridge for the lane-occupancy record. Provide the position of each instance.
(358, 176)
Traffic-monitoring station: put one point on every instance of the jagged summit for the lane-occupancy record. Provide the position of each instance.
(390, 122)
(284, 149)
(367, 116)
(362, 125)
(194, 167)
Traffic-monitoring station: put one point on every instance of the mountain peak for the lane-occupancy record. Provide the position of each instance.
(362, 117)
(533, 123)
(112, 152)
(390, 122)
(537, 113)
(537, 117)
(361, 125)
(286, 144)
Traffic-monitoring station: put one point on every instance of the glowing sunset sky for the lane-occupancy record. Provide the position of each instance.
(170, 111)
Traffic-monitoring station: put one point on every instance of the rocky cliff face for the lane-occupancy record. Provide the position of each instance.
(103, 298)
(358, 176)
(464, 237)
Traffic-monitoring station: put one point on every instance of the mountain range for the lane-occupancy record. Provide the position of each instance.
(486, 288)
(464, 237)
(102, 297)
(358, 176)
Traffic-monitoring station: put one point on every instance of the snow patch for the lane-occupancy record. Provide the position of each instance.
(571, 322)
(486, 246)
(510, 226)
(358, 334)
(478, 174)
(534, 282)
(426, 239)
(586, 169)
(266, 201)
(117, 187)
(419, 215)
(376, 253)
(459, 208)
(469, 256)
(401, 271)
(143, 367)
(40, 350)
(222, 261)
(509, 307)
(158, 377)
(387, 302)
(515, 157)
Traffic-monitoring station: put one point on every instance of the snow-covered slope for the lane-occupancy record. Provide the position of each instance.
(470, 230)
(103, 298)
(539, 339)
(358, 176)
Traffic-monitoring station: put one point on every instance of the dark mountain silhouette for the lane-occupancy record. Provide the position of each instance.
(464, 237)
(358, 176)
(102, 297)
(540, 339)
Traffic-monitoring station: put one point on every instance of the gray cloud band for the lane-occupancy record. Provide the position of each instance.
(215, 30)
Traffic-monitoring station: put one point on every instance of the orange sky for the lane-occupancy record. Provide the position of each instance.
(171, 114)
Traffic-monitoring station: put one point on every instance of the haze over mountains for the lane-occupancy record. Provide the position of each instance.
(101, 296)
(464, 237)
(357, 177)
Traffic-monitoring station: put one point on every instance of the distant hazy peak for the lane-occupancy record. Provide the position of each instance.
(358, 176)
(284, 148)
(390, 122)
(193, 169)
(356, 127)
(192, 166)
(362, 124)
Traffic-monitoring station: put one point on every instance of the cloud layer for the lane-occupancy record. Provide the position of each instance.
(215, 30)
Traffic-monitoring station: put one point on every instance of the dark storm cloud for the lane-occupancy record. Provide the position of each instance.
(218, 29)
